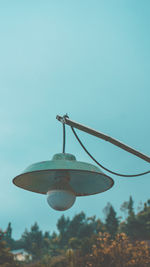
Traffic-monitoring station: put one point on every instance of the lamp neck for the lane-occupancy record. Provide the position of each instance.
(64, 132)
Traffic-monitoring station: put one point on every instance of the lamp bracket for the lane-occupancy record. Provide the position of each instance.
(65, 120)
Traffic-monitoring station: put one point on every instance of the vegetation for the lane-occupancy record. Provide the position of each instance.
(6, 258)
(86, 241)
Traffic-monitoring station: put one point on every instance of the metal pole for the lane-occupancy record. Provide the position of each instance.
(105, 137)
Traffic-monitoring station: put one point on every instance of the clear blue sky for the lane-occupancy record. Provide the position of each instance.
(90, 59)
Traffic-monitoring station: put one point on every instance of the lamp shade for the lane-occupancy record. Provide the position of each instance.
(64, 171)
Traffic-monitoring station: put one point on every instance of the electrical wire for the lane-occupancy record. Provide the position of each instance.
(112, 172)
(64, 138)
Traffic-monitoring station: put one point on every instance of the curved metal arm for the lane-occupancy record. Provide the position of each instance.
(105, 137)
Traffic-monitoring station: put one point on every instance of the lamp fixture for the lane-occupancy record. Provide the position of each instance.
(64, 178)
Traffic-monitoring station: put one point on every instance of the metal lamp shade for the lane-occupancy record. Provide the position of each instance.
(80, 177)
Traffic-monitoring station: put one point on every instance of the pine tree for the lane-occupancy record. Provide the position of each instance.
(8, 236)
(130, 206)
(63, 225)
(33, 241)
(76, 224)
(112, 222)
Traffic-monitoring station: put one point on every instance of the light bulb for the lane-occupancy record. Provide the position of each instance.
(61, 199)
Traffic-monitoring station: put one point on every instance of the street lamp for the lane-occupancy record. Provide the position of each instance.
(64, 178)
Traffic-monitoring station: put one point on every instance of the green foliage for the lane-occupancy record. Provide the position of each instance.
(63, 225)
(8, 237)
(100, 227)
(33, 241)
(112, 222)
(132, 225)
(6, 258)
(76, 224)
(73, 231)
(148, 202)
(127, 206)
(74, 242)
(124, 207)
(137, 226)
(130, 206)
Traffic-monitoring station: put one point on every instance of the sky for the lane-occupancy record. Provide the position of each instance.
(90, 59)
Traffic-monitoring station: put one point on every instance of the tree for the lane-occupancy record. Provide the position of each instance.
(74, 243)
(100, 226)
(54, 244)
(124, 207)
(106, 209)
(130, 206)
(9, 231)
(8, 237)
(75, 225)
(127, 206)
(132, 226)
(63, 225)
(33, 241)
(143, 222)
(6, 258)
(148, 202)
(137, 226)
(112, 222)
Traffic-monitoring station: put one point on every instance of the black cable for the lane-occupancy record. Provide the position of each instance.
(64, 138)
(112, 172)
